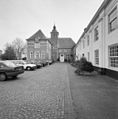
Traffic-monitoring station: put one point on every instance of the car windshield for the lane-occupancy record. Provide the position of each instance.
(9, 64)
(20, 62)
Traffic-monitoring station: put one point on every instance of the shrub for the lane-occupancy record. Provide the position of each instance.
(75, 63)
(84, 65)
(88, 67)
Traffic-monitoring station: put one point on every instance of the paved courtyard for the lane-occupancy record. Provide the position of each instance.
(94, 96)
(37, 94)
(56, 92)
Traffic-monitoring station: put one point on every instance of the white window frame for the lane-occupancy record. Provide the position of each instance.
(113, 56)
(96, 55)
(30, 44)
(96, 33)
(113, 20)
(43, 43)
(83, 43)
(88, 40)
(37, 55)
(31, 55)
(43, 55)
(88, 56)
(37, 45)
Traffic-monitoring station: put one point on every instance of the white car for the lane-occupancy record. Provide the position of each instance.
(27, 66)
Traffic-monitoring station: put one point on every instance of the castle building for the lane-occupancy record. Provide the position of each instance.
(99, 41)
(40, 48)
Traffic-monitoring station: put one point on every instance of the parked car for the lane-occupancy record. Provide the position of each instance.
(44, 63)
(9, 69)
(26, 65)
(49, 62)
(39, 64)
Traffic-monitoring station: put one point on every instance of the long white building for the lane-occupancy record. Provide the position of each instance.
(99, 41)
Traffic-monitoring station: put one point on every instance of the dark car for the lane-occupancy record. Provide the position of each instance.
(9, 69)
(44, 63)
(39, 64)
(49, 62)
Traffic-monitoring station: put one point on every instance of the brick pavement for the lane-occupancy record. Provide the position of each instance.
(40, 94)
(94, 96)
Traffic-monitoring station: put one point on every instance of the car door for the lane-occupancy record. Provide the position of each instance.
(4, 68)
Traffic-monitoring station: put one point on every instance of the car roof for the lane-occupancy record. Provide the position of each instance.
(1, 61)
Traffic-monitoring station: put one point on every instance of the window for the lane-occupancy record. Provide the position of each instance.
(37, 45)
(113, 55)
(96, 34)
(88, 40)
(65, 50)
(88, 56)
(60, 50)
(83, 43)
(42, 55)
(112, 20)
(31, 55)
(97, 57)
(30, 44)
(37, 55)
(43, 43)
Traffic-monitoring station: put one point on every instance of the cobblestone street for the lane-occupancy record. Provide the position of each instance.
(37, 94)
(56, 92)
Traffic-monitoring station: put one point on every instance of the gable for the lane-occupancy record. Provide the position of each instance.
(38, 35)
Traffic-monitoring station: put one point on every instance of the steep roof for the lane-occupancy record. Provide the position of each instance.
(62, 42)
(39, 33)
(65, 43)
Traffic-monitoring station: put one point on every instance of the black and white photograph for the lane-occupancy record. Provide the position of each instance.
(58, 59)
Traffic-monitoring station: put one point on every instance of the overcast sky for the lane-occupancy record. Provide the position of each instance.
(22, 18)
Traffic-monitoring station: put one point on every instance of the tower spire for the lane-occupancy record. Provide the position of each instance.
(54, 27)
(54, 33)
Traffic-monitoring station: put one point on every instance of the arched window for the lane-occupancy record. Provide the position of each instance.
(43, 55)
(31, 55)
(37, 55)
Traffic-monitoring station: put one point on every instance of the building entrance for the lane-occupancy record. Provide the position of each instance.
(61, 57)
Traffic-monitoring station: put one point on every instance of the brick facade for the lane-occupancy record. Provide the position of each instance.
(40, 48)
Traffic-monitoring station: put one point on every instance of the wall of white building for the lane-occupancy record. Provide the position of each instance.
(112, 37)
(105, 38)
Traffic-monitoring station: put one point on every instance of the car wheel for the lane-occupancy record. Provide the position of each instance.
(3, 77)
(28, 68)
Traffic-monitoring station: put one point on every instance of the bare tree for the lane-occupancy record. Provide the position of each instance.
(19, 47)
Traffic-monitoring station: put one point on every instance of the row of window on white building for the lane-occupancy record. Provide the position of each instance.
(113, 49)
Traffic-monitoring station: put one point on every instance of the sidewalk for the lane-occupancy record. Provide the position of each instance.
(94, 97)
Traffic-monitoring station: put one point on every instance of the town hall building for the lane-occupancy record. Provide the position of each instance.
(40, 48)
